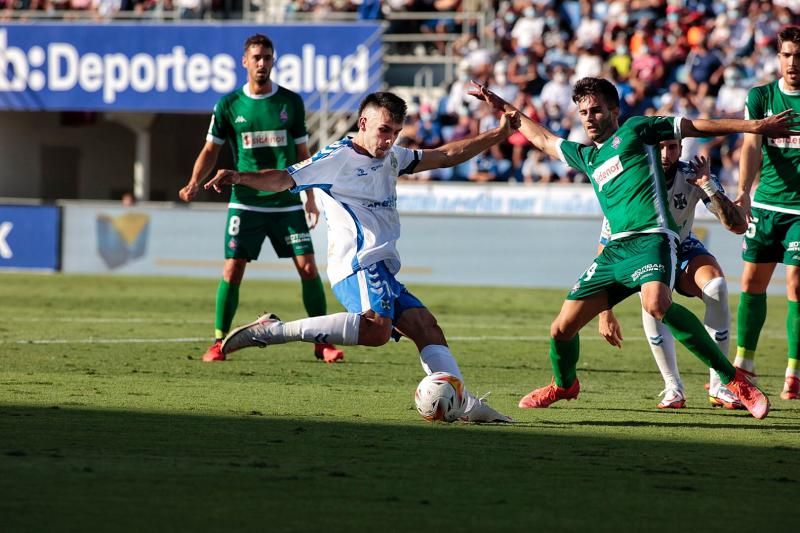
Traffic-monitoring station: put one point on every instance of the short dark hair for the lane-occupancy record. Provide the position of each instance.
(258, 40)
(789, 34)
(392, 103)
(597, 87)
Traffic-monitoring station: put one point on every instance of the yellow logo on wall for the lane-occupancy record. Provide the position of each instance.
(122, 238)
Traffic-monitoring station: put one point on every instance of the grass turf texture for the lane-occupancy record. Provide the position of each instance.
(115, 424)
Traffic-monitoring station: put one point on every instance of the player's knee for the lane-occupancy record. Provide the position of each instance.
(716, 290)
(561, 331)
(308, 270)
(375, 332)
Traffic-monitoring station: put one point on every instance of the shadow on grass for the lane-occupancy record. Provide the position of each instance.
(93, 470)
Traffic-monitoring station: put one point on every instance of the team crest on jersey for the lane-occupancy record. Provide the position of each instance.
(393, 161)
(616, 142)
(607, 172)
(679, 201)
(232, 244)
(284, 115)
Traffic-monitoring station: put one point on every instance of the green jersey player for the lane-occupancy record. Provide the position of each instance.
(773, 234)
(265, 126)
(627, 177)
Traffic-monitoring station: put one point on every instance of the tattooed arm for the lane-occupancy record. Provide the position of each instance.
(729, 214)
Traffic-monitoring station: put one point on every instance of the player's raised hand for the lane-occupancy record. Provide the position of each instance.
(701, 165)
(482, 93)
(784, 124)
(510, 122)
(223, 177)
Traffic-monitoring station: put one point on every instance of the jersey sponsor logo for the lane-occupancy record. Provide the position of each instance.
(793, 246)
(390, 202)
(607, 171)
(647, 271)
(240, 120)
(298, 238)
(261, 139)
(786, 142)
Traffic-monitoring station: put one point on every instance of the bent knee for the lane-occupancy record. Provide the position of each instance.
(375, 332)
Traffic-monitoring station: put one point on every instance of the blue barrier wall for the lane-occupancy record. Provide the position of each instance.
(30, 237)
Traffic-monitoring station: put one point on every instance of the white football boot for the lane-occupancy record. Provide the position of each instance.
(265, 330)
(480, 412)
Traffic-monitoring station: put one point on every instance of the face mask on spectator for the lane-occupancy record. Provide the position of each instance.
(560, 77)
(509, 17)
(529, 12)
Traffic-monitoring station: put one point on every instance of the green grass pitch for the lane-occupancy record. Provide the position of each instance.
(109, 421)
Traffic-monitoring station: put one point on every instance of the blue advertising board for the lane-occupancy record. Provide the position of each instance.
(30, 237)
(178, 68)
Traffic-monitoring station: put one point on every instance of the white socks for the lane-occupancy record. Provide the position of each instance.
(717, 321)
(339, 328)
(662, 344)
(437, 358)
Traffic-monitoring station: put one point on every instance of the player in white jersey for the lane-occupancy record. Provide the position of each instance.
(358, 179)
(700, 274)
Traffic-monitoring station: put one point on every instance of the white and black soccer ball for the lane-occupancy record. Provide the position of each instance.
(440, 396)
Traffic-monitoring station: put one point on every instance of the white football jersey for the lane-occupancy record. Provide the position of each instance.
(683, 198)
(360, 202)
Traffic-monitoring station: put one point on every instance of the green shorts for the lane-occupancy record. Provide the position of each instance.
(772, 237)
(626, 264)
(287, 231)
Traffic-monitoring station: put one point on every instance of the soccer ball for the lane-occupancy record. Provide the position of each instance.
(440, 396)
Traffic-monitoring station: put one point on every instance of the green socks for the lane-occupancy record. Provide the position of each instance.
(689, 331)
(314, 297)
(564, 358)
(751, 314)
(227, 302)
(793, 329)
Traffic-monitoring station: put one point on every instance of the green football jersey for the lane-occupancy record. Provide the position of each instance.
(780, 165)
(263, 131)
(627, 176)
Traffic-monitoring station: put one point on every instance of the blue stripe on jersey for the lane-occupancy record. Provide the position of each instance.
(321, 154)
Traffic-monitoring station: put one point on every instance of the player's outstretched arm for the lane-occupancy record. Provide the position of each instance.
(542, 138)
(783, 124)
(729, 214)
(269, 180)
(453, 153)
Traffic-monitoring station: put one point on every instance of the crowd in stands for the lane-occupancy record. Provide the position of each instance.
(694, 58)
(690, 58)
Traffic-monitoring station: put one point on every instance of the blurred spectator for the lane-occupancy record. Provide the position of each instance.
(557, 93)
(704, 67)
(732, 95)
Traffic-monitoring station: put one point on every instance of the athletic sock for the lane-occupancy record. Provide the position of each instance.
(793, 329)
(793, 368)
(339, 328)
(687, 329)
(225, 310)
(717, 320)
(314, 296)
(751, 315)
(438, 358)
(662, 345)
(564, 359)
